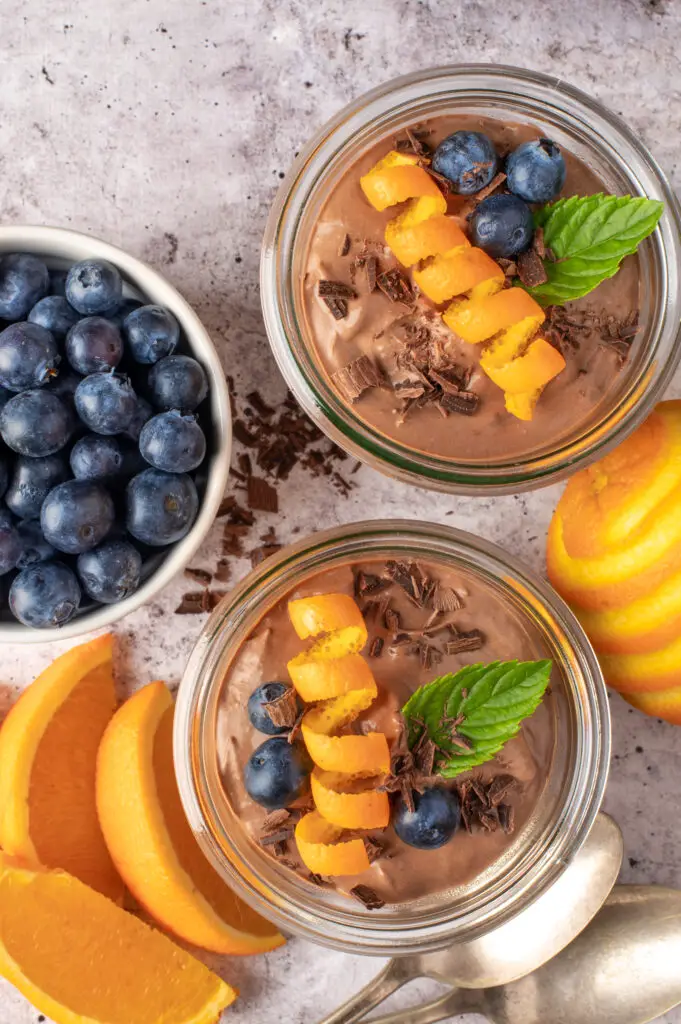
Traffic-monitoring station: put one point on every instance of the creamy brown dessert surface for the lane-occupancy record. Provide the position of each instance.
(568, 402)
(401, 872)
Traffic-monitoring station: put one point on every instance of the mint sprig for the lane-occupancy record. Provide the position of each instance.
(490, 702)
(590, 236)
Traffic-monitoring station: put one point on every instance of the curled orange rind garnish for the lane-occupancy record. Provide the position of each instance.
(333, 676)
(447, 267)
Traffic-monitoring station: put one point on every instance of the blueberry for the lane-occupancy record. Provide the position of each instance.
(173, 442)
(93, 286)
(161, 507)
(94, 457)
(28, 356)
(58, 282)
(152, 332)
(133, 463)
(35, 423)
(126, 306)
(5, 396)
(264, 694)
(23, 280)
(142, 414)
(106, 403)
(10, 543)
(535, 171)
(34, 547)
(468, 160)
(4, 475)
(502, 226)
(44, 595)
(54, 314)
(433, 821)
(276, 773)
(177, 382)
(32, 480)
(110, 572)
(77, 515)
(94, 345)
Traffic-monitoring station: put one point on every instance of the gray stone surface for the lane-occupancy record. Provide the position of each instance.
(165, 127)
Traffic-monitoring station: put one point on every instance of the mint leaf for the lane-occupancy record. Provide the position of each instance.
(590, 236)
(493, 700)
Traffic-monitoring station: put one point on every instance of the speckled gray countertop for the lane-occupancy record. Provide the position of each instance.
(164, 128)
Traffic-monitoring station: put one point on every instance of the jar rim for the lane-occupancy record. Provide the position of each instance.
(287, 900)
(658, 351)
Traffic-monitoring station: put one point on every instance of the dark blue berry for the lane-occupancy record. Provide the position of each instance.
(35, 423)
(93, 286)
(173, 442)
(468, 160)
(34, 547)
(44, 595)
(106, 403)
(23, 280)
(161, 507)
(77, 515)
(5, 396)
(265, 694)
(4, 475)
(94, 345)
(142, 414)
(133, 463)
(433, 821)
(152, 332)
(58, 282)
(54, 314)
(126, 307)
(10, 543)
(28, 356)
(502, 225)
(276, 773)
(32, 480)
(95, 457)
(110, 572)
(535, 171)
(177, 382)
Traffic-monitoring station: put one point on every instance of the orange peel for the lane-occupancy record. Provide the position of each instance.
(356, 808)
(318, 846)
(450, 274)
(329, 613)
(530, 372)
(396, 178)
(479, 321)
(317, 675)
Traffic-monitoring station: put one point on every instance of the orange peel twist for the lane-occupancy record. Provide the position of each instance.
(337, 681)
(483, 310)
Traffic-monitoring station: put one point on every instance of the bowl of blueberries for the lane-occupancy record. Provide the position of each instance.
(115, 433)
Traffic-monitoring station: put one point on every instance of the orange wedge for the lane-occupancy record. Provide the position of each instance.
(48, 752)
(329, 613)
(150, 839)
(349, 808)
(458, 272)
(80, 959)
(318, 846)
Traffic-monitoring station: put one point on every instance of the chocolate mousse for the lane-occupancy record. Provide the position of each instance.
(383, 342)
(418, 622)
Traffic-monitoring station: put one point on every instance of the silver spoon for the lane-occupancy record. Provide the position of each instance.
(622, 969)
(518, 946)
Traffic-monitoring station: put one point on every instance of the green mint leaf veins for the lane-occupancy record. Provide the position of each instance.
(493, 699)
(590, 236)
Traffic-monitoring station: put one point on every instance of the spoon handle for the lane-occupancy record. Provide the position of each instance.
(395, 974)
(456, 1001)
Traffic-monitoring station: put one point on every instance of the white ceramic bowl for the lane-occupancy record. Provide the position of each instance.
(60, 247)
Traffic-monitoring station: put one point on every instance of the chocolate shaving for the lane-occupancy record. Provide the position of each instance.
(465, 403)
(260, 405)
(335, 290)
(274, 821)
(199, 602)
(367, 896)
(366, 583)
(274, 838)
(295, 728)
(445, 599)
(232, 539)
(263, 551)
(395, 285)
(345, 246)
(414, 143)
(316, 879)
(478, 197)
(538, 243)
(499, 788)
(481, 804)
(509, 267)
(392, 621)
(243, 434)
(424, 755)
(357, 377)
(408, 577)
(337, 307)
(262, 495)
(468, 641)
(199, 576)
(376, 648)
(507, 818)
(531, 269)
(444, 183)
(223, 571)
(450, 381)
(374, 849)
(283, 711)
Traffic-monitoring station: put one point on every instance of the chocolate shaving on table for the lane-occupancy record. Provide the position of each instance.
(356, 377)
(283, 711)
(464, 403)
(223, 571)
(345, 246)
(538, 243)
(396, 286)
(367, 896)
(232, 539)
(261, 495)
(199, 576)
(467, 641)
(199, 602)
(531, 269)
(243, 434)
(245, 464)
(263, 551)
(260, 405)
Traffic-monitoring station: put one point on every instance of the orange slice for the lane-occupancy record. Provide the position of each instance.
(318, 846)
(394, 179)
(80, 959)
(150, 839)
(329, 613)
(317, 675)
(533, 371)
(455, 273)
(478, 321)
(346, 806)
(48, 753)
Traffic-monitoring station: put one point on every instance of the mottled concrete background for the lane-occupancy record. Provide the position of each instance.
(165, 127)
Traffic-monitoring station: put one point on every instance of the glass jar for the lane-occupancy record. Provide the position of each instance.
(584, 127)
(564, 814)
